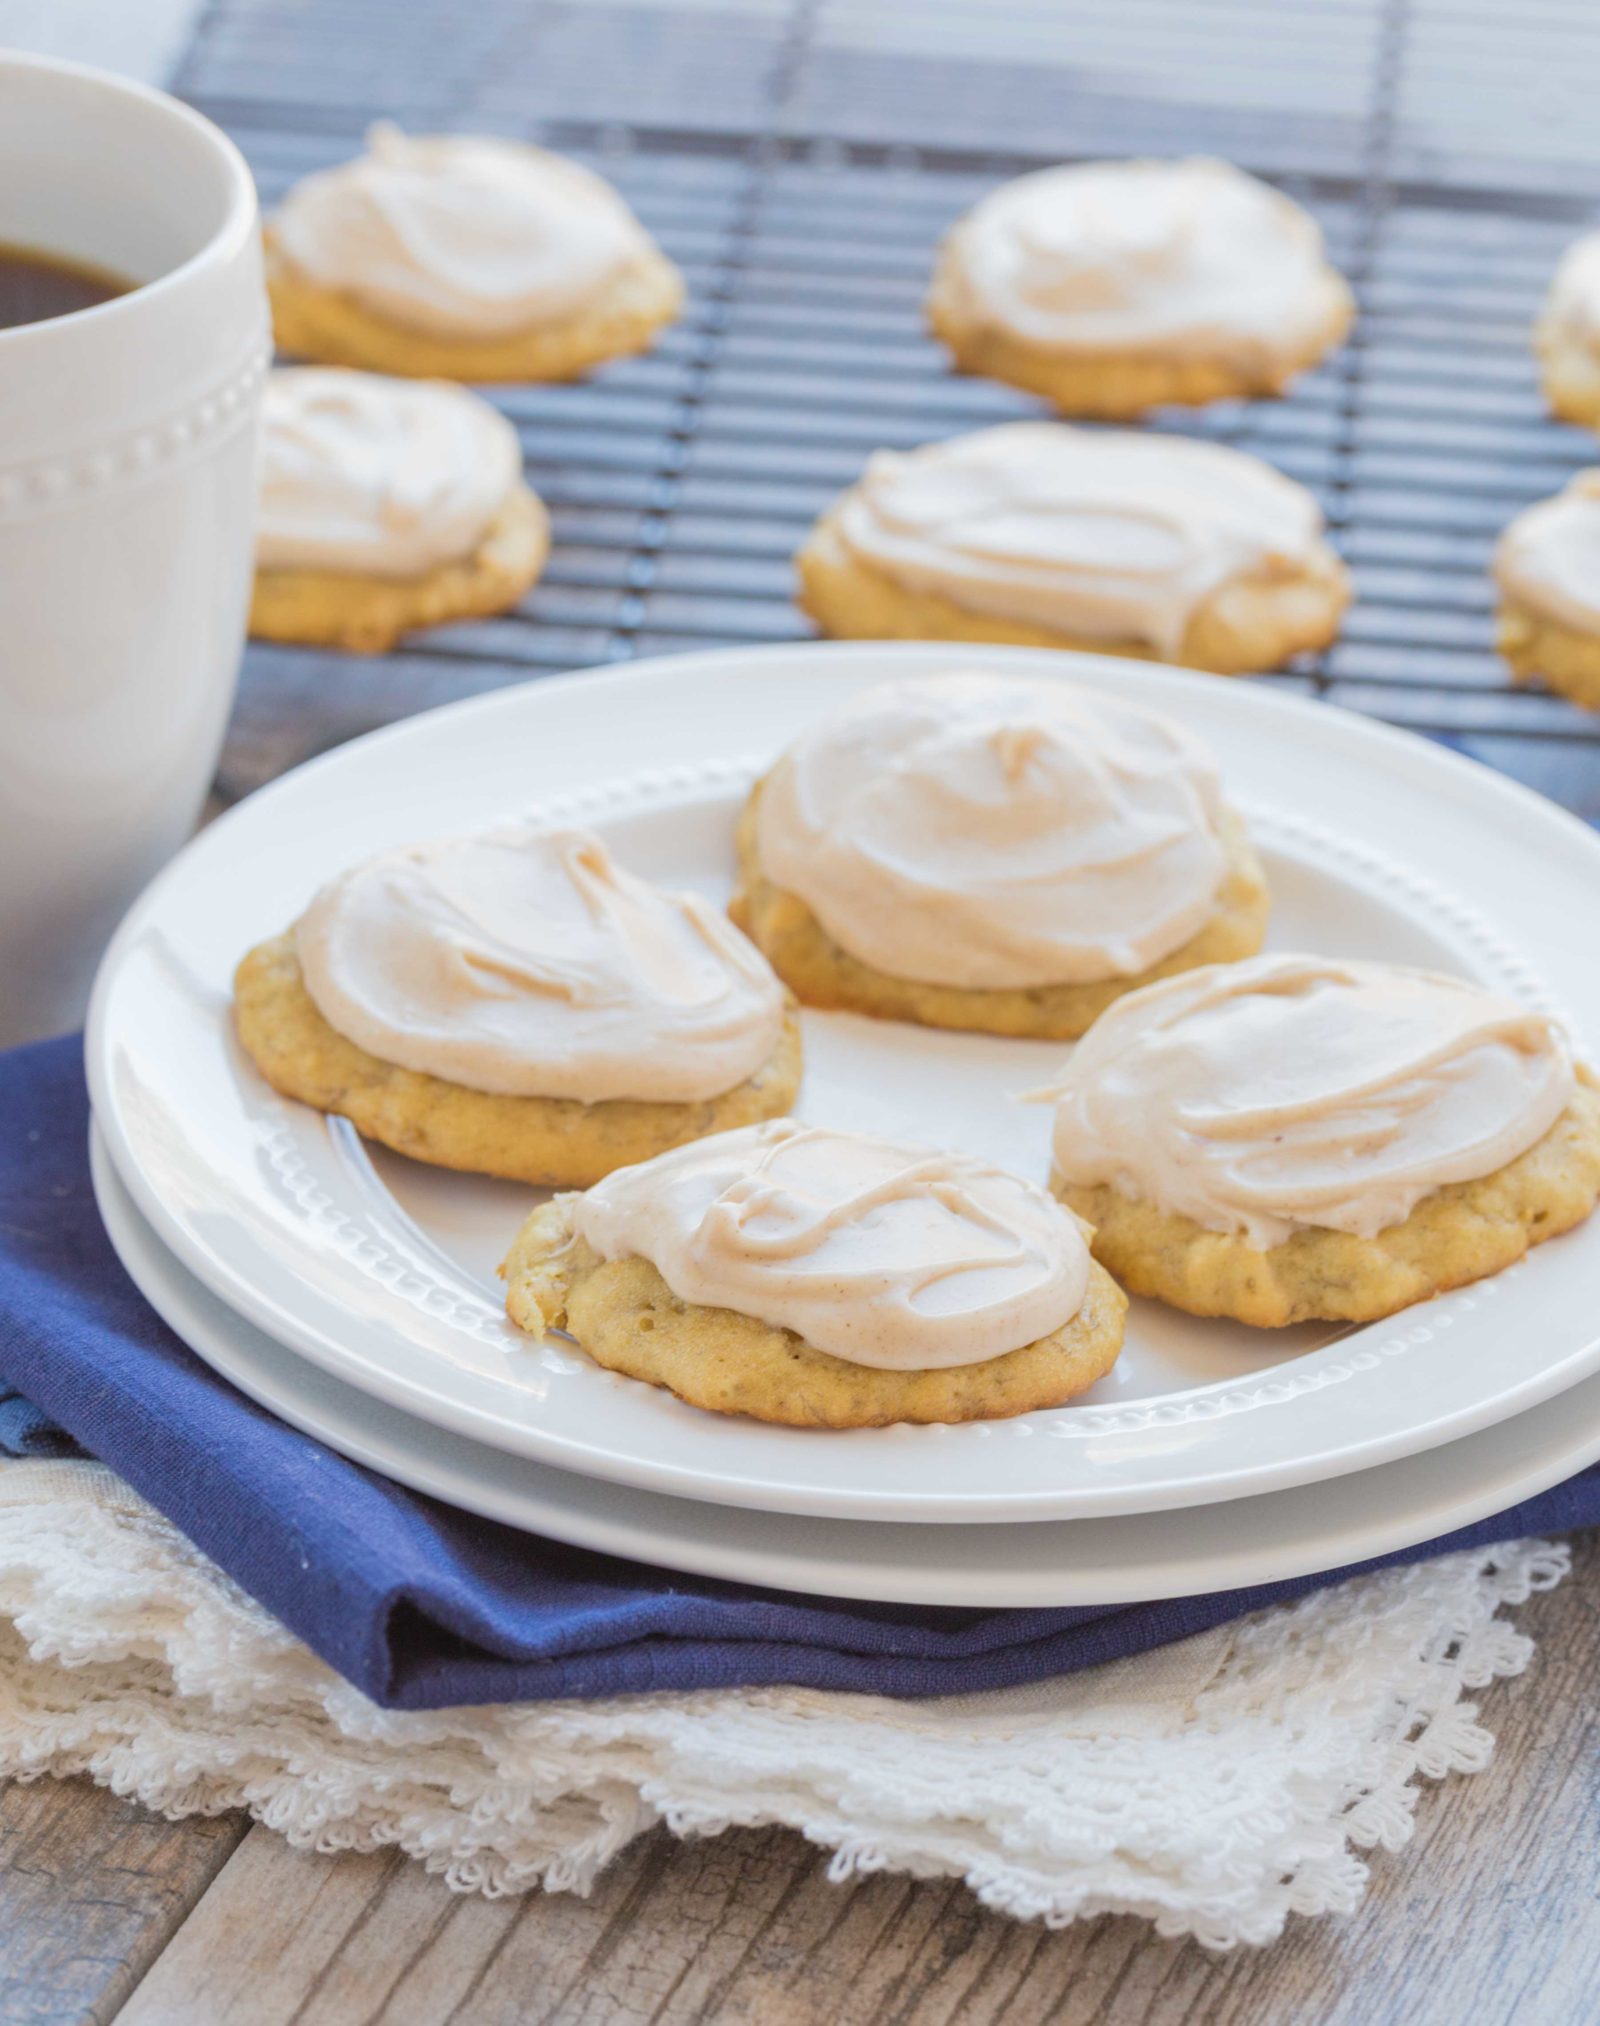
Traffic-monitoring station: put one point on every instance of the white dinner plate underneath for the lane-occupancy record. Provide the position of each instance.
(381, 1270)
(1130, 1560)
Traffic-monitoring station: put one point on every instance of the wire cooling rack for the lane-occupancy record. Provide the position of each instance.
(800, 159)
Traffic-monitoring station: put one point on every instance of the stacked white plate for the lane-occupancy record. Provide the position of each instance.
(355, 1292)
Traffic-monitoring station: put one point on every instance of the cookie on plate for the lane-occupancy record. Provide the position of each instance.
(1547, 566)
(993, 853)
(1566, 338)
(1296, 1139)
(1037, 534)
(1114, 287)
(514, 1003)
(386, 505)
(460, 257)
(822, 1279)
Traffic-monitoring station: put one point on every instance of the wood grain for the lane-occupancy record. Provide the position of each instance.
(1488, 1915)
(91, 1889)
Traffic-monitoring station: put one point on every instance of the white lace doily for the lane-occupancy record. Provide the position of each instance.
(1213, 1786)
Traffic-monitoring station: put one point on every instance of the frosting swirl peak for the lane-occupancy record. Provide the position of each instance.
(1285, 1092)
(1101, 535)
(990, 831)
(890, 1256)
(1182, 257)
(459, 235)
(381, 478)
(527, 962)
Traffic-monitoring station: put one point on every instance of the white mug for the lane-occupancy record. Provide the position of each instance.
(127, 510)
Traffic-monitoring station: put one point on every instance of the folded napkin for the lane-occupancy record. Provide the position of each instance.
(425, 1607)
(1212, 1788)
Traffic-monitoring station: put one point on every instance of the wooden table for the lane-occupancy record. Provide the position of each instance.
(1490, 1915)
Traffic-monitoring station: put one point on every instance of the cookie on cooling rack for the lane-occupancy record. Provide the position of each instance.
(1037, 534)
(786, 1272)
(1294, 1138)
(386, 505)
(514, 1003)
(1566, 338)
(464, 258)
(1114, 287)
(993, 853)
(1547, 566)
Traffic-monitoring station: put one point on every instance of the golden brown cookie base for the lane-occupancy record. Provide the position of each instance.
(1539, 649)
(554, 1141)
(1458, 1234)
(820, 973)
(367, 615)
(1252, 624)
(1570, 376)
(627, 1319)
(317, 323)
(1117, 386)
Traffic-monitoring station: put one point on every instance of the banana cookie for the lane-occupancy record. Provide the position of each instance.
(1037, 534)
(1295, 1138)
(821, 1279)
(993, 853)
(514, 1003)
(386, 505)
(1566, 338)
(1547, 566)
(1114, 287)
(460, 257)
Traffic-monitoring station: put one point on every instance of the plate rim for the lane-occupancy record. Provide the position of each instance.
(1069, 1578)
(1467, 776)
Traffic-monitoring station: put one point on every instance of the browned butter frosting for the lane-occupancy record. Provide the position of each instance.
(1549, 557)
(525, 961)
(1114, 535)
(460, 235)
(897, 1257)
(994, 831)
(1286, 1091)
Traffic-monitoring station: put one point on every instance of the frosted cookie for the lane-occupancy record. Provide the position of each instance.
(1113, 287)
(992, 853)
(386, 505)
(464, 258)
(1566, 338)
(1036, 534)
(515, 1003)
(1547, 566)
(823, 1280)
(1295, 1138)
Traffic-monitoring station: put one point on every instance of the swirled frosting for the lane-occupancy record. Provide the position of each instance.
(991, 831)
(382, 478)
(1549, 557)
(1284, 1092)
(891, 1256)
(1191, 257)
(527, 962)
(1102, 535)
(1571, 310)
(459, 235)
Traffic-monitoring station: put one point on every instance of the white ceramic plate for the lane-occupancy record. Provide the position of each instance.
(1055, 1562)
(382, 1272)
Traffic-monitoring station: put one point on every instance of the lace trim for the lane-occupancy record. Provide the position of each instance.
(1212, 1788)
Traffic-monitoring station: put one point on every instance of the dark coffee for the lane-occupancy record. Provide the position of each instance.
(36, 285)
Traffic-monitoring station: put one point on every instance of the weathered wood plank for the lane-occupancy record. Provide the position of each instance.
(1489, 1915)
(91, 1889)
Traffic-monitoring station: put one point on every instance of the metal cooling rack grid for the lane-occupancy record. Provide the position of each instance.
(680, 484)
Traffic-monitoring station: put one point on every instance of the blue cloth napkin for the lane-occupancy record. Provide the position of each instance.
(422, 1606)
